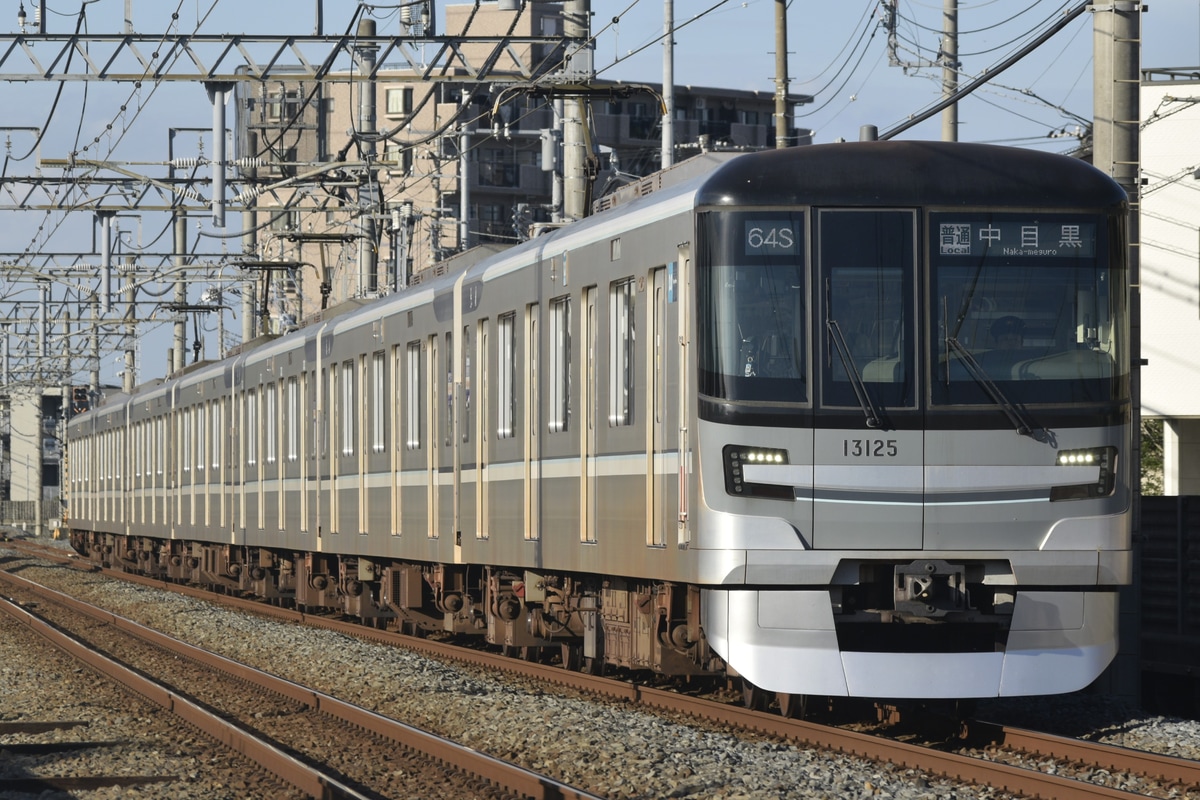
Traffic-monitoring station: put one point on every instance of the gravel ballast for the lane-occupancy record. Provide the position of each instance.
(620, 752)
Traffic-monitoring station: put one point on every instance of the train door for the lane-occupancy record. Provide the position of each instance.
(231, 437)
(433, 461)
(397, 432)
(219, 460)
(203, 514)
(244, 456)
(483, 402)
(324, 445)
(587, 430)
(255, 472)
(660, 479)
(161, 448)
(175, 432)
(291, 465)
(362, 420)
(464, 485)
(868, 475)
(530, 426)
(306, 426)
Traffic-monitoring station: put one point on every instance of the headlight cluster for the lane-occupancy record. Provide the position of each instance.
(737, 457)
(1103, 457)
(763, 456)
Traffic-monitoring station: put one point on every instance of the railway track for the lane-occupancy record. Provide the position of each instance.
(1021, 762)
(320, 745)
(66, 729)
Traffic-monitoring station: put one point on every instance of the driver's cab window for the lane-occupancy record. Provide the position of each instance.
(865, 281)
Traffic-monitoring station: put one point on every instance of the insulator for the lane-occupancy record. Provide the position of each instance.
(249, 162)
(247, 195)
(184, 163)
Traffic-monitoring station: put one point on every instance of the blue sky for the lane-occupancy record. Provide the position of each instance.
(837, 51)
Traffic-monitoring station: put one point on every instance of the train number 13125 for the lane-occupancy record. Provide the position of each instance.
(869, 448)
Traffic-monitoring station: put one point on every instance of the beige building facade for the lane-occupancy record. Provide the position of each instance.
(363, 184)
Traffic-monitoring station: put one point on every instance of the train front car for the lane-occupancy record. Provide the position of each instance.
(913, 419)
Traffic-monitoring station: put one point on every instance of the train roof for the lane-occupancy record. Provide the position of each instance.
(901, 173)
(911, 173)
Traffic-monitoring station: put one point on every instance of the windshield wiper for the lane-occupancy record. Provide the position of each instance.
(1020, 419)
(856, 381)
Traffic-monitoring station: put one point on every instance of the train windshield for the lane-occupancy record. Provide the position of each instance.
(1027, 309)
(752, 303)
(866, 268)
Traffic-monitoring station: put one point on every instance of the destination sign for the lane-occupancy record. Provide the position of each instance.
(775, 237)
(1014, 237)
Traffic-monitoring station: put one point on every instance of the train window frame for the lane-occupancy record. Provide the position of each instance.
(251, 412)
(292, 419)
(201, 436)
(161, 445)
(506, 325)
(559, 418)
(349, 407)
(449, 387)
(465, 416)
(185, 455)
(324, 399)
(412, 409)
(889, 382)
(482, 342)
(270, 422)
(378, 401)
(621, 354)
(1049, 363)
(218, 412)
(742, 255)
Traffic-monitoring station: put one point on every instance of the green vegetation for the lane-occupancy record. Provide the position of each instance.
(1152, 456)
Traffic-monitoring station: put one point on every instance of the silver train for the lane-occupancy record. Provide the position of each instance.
(847, 419)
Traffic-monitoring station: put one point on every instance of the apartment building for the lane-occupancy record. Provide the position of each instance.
(364, 184)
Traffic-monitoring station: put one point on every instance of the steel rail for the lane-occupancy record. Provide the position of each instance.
(305, 778)
(511, 776)
(956, 766)
(1179, 771)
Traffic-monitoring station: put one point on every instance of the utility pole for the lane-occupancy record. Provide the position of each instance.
(668, 87)
(1116, 58)
(949, 59)
(179, 349)
(464, 180)
(576, 25)
(368, 199)
(781, 75)
(218, 95)
(130, 376)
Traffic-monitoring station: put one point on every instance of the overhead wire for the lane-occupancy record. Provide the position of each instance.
(861, 55)
(68, 206)
(866, 15)
(993, 26)
(997, 69)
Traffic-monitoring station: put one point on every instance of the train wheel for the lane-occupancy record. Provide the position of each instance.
(792, 706)
(965, 709)
(753, 697)
(572, 657)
